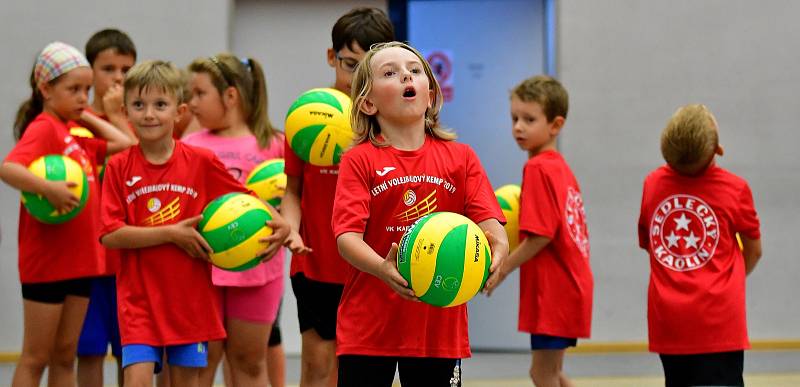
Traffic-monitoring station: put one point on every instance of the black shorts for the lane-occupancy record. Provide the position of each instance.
(56, 292)
(317, 304)
(275, 338)
(377, 371)
(705, 369)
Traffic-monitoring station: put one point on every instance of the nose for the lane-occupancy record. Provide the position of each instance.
(119, 76)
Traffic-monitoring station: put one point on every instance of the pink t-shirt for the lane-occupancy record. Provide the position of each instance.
(240, 155)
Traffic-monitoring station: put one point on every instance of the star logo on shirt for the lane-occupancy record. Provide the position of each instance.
(684, 233)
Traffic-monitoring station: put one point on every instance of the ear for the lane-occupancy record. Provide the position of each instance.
(367, 107)
(230, 97)
(556, 125)
(720, 150)
(331, 57)
(431, 94)
(181, 111)
(45, 89)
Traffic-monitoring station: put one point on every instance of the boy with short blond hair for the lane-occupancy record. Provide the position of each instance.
(556, 281)
(151, 205)
(691, 212)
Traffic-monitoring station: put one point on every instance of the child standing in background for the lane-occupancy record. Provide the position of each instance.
(691, 211)
(317, 270)
(229, 99)
(111, 53)
(396, 102)
(556, 281)
(55, 275)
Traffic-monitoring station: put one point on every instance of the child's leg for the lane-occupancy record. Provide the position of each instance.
(41, 324)
(215, 350)
(139, 374)
(246, 352)
(426, 371)
(90, 371)
(373, 371)
(185, 363)
(276, 358)
(184, 376)
(546, 368)
(317, 305)
(62, 359)
(99, 327)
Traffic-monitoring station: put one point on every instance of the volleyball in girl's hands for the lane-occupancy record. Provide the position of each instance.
(56, 168)
(232, 225)
(318, 126)
(508, 197)
(268, 181)
(445, 258)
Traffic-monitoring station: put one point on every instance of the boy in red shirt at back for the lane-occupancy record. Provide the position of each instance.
(555, 277)
(691, 212)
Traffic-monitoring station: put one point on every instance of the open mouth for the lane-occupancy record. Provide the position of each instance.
(409, 92)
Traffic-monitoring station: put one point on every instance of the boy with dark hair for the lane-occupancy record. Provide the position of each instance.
(110, 53)
(317, 270)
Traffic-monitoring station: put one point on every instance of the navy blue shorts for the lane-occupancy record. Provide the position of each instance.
(193, 355)
(101, 326)
(551, 342)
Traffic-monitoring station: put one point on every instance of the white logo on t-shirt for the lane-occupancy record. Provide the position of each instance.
(133, 181)
(684, 233)
(385, 171)
(576, 221)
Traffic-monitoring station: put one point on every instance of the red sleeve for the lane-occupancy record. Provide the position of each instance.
(746, 219)
(644, 237)
(96, 148)
(39, 139)
(293, 165)
(539, 212)
(352, 199)
(113, 214)
(218, 180)
(481, 203)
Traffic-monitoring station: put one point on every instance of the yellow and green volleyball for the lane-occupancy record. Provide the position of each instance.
(232, 225)
(508, 197)
(268, 181)
(56, 168)
(445, 258)
(80, 131)
(318, 126)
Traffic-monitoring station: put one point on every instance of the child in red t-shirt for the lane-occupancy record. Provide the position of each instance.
(691, 212)
(151, 205)
(56, 260)
(381, 325)
(317, 270)
(555, 277)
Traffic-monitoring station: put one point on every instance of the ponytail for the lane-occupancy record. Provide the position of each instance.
(258, 119)
(28, 110)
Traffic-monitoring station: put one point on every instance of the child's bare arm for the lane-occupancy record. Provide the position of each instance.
(353, 249)
(118, 139)
(280, 232)
(527, 249)
(56, 192)
(290, 209)
(751, 249)
(498, 241)
(183, 234)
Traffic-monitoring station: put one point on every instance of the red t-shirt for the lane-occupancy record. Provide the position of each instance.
(324, 263)
(112, 255)
(55, 252)
(688, 225)
(165, 297)
(381, 192)
(555, 285)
